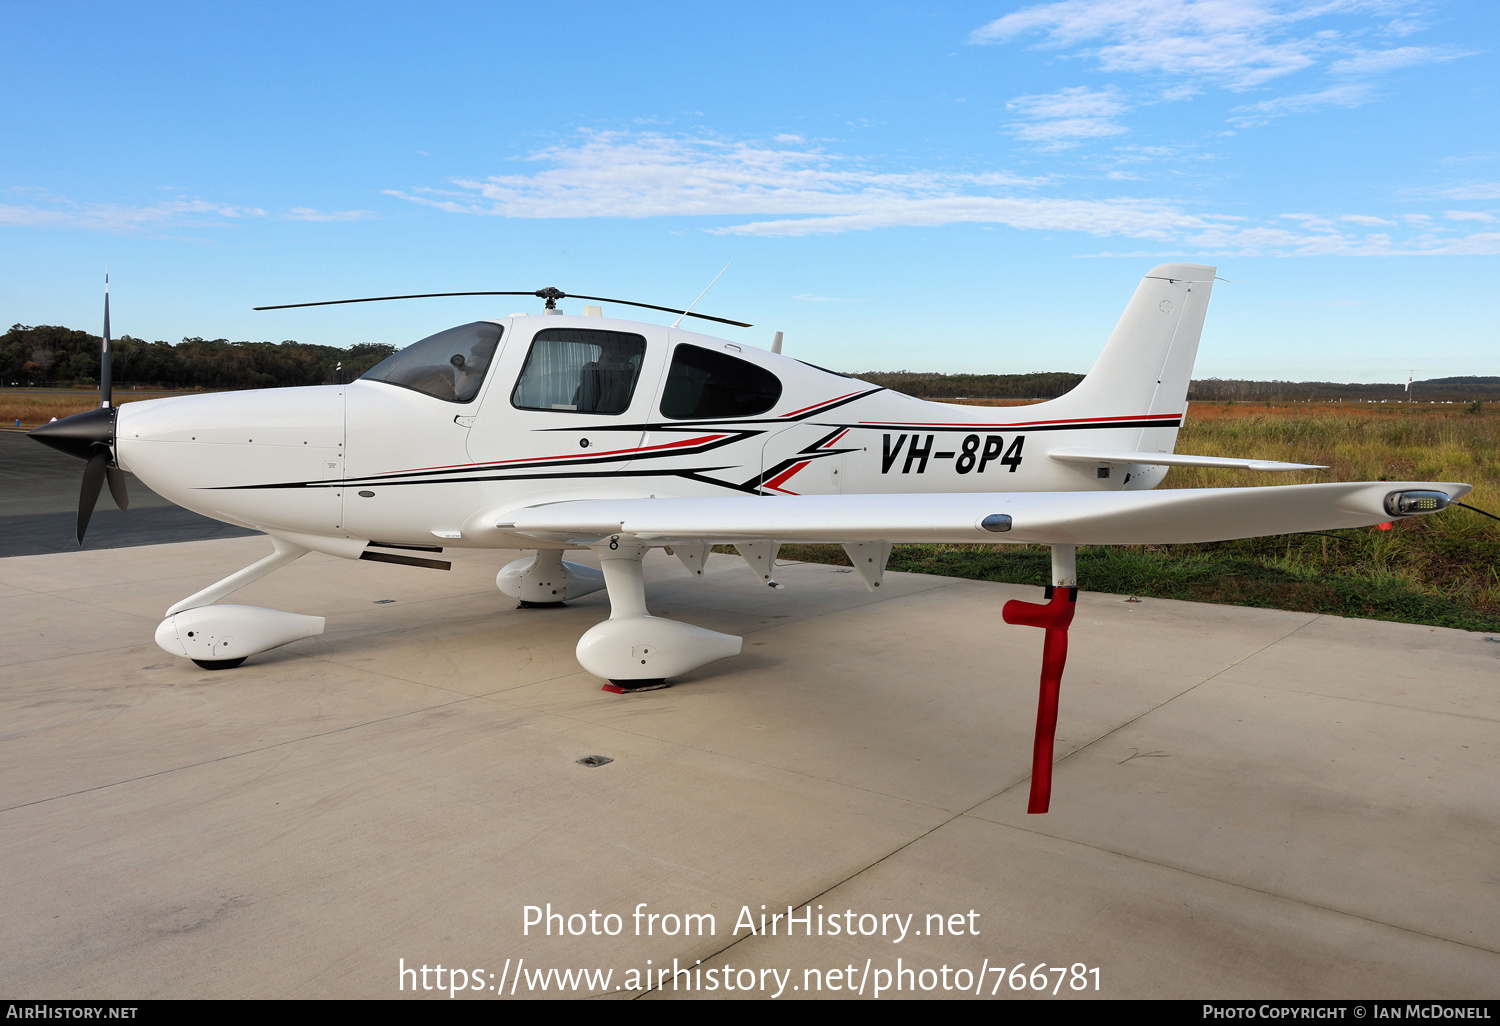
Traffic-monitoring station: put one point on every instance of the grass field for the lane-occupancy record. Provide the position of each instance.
(1439, 569)
(34, 406)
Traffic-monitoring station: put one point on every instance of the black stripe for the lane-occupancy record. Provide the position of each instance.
(722, 425)
(1017, 429)
(608, 475)
(576, 461)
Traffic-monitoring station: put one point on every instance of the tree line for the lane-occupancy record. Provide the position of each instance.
(53, 356)
(932, 385)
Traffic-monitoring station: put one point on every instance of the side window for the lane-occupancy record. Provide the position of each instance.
(579, 370)
(705, 385)
(449, 365)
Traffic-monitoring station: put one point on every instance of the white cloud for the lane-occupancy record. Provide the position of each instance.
(1271, 241)
(1380, 61)
(309, 214)
(1352, 94)
(1469, 158)
(1473, 191)
(1074, 102)
(1067, 130)
(59, 212)
(49, 211)
(1468, 215)
(1064, 117)
(1137, 218)
(1308, 220)
(613, 174)
(1240, 44)
(765, 191)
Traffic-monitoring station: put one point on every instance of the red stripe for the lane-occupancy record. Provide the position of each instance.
(786, 475)
(835, 438)
(814, 406)
(1024, 423)
(565, 456)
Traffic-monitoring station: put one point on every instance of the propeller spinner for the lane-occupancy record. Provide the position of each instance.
(91, 436)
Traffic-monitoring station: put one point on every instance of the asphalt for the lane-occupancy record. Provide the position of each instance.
(39, 507)
(1248, 803)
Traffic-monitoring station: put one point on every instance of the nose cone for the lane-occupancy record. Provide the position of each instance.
(77, 435)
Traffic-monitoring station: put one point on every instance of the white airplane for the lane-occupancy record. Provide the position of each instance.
(559, 432)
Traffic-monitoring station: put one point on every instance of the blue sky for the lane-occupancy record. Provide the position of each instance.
(959, 187)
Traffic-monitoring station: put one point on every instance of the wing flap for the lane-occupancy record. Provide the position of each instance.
(1094, 457)
(1171, 516)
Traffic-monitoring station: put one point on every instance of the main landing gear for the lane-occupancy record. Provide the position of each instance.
(547, 580)
(633, 649)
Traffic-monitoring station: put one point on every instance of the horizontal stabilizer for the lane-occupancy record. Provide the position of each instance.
(1094, 457)
(1168, 516)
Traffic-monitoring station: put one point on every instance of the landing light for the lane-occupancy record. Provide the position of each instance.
(1405, 504)
(998, 522)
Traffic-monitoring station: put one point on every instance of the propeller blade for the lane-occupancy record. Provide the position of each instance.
(93, 481)
(382, 299)
(116, 478)
(106, 359)
(664, 309)
(549, 294)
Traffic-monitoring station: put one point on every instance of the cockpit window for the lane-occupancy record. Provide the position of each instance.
(705, 385)
(579, 370)
(449, 365)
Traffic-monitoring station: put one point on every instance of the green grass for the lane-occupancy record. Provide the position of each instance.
(1439, 570)
(1362, 580)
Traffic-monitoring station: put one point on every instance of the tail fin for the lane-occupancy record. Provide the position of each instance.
(1148, 361)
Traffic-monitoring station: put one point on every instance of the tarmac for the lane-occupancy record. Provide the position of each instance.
(1247, 803)
(39, 507)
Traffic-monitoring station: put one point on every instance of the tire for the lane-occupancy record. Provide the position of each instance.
(220, 664)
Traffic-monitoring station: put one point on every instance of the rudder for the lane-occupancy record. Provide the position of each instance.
(1147, 363)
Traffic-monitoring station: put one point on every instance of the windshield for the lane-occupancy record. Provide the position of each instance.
(449, 365)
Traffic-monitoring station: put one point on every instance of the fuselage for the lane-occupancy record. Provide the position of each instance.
(562, 407)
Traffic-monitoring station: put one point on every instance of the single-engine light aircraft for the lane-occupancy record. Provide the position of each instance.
(555, 432)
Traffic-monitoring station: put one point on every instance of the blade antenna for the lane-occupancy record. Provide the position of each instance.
(701, 295)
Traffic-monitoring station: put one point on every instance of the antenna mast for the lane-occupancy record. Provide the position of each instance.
(702, 294)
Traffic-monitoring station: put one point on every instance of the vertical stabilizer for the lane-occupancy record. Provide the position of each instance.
(1148, 361)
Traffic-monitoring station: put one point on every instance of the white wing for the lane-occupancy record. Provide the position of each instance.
(1055, 518)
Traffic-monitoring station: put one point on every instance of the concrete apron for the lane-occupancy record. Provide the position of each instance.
(1247, 803)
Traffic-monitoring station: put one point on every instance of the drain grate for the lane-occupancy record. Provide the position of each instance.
(594, 760)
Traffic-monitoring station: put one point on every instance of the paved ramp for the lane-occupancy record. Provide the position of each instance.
(1248, 803)
(39, 507)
